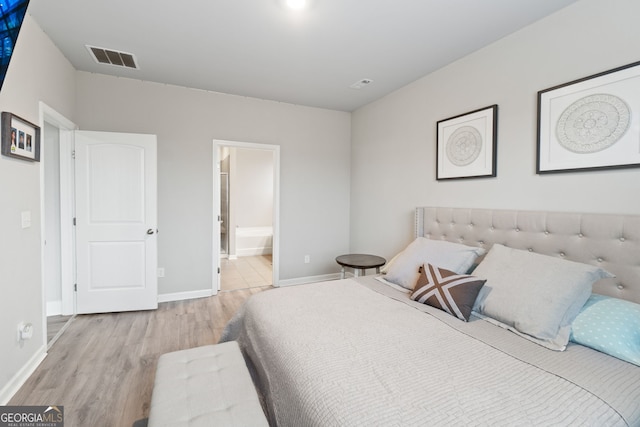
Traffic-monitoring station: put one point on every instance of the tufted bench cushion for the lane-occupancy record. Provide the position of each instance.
(205, 386)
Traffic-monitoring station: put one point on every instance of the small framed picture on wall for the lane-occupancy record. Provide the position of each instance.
(467, 145)
(20, 138)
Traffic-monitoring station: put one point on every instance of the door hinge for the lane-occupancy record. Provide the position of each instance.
(218, 270)
(74, 222)
(73, 154)
(75, 287)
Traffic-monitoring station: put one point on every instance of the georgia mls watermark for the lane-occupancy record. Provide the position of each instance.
(31, 416)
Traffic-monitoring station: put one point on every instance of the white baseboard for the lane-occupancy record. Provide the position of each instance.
(54, 308)
(309, 279)
(22, 376)
(180, 296)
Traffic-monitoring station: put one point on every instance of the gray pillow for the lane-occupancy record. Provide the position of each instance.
(535, 295)
(403, 270)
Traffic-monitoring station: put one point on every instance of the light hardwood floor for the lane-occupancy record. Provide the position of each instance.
(102, 367)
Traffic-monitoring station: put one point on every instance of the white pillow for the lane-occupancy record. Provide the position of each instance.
(535, 295)
(403, 270)
(385, 268)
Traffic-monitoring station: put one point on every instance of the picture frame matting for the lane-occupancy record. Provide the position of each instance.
(592, 123)
(466, 145)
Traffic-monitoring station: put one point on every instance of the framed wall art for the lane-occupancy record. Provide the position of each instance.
(20, 138)
(590, 124)
(467, 145)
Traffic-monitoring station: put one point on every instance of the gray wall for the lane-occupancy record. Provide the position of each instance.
(38, 72)
(394, 139)
(252, 188)
(314, 172)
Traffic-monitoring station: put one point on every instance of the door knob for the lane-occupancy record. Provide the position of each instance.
(150, 231)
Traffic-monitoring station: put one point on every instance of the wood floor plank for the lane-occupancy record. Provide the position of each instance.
(102, 368)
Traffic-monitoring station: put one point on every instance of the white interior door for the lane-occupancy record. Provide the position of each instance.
(116, 220)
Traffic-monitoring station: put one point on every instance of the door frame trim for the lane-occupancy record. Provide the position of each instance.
(275, 149)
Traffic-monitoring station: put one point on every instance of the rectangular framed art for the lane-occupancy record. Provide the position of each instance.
(467, 145)
(20, 138)
(590, 124)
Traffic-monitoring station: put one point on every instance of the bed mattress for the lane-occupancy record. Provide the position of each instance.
(356, 352)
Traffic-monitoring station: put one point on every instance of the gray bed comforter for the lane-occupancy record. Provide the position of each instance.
(356, 352)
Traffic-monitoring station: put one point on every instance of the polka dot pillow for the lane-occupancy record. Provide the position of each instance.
(609, 325)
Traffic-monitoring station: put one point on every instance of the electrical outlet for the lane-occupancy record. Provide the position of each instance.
(25, 218)
(307, 259)
(160, 272)
(25, 331)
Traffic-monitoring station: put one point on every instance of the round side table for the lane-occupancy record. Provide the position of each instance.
(360, 263)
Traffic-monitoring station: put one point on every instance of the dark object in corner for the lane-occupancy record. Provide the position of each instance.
(141, 423)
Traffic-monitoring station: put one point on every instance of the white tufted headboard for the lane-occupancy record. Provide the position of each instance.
(609, 241)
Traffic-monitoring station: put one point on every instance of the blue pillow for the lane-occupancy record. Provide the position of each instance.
(609, 325)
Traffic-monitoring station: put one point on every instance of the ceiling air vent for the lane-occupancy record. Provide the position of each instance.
(113, 57)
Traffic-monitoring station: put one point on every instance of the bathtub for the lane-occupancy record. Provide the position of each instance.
(252, 241)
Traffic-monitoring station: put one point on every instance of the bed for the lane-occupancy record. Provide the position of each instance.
(362, 352)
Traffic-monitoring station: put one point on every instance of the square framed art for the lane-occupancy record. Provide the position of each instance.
(467, 145)
(590, 124)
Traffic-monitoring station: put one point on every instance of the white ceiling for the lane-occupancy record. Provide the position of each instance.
(257, 48)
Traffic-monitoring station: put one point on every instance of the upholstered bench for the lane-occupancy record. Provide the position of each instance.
(205, 386)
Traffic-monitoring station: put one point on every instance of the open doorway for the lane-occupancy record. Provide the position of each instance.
(52, 265)
(57, 210)
(246, 184)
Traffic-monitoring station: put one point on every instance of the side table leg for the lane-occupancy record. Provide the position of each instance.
(342, 273)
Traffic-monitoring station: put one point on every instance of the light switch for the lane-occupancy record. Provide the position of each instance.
(26, 219)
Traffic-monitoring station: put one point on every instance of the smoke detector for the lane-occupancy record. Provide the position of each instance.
(361, 83)
(113, 57)
(296, 5)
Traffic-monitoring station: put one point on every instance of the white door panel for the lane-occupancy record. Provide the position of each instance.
(117, 183)
(116, 222)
